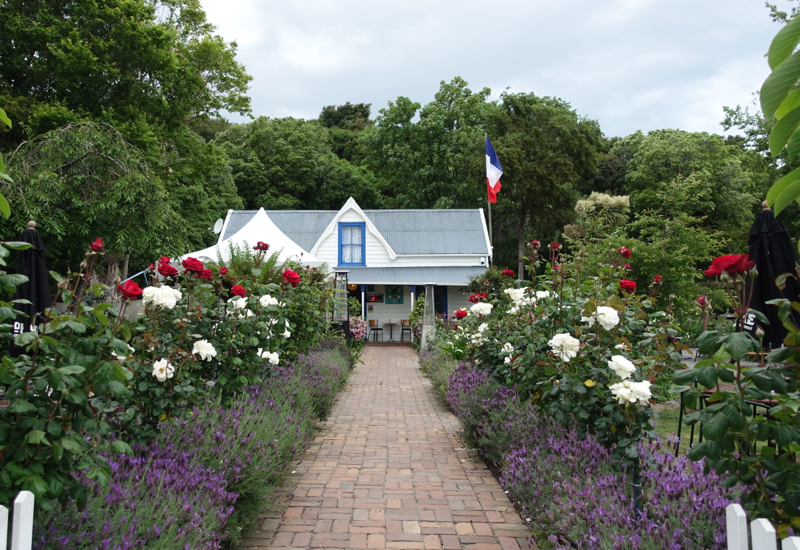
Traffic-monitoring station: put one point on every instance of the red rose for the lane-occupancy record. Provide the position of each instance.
(167, 270)
(475, 298)
(130, 290)
(164, 260)
(291, 277)
(629, 286)
(461, 313)
(657, 279)
(732, 263)
(97, 245)
(555, 267)
(238, 291)
(535, 244)
(626, 266)
(152, 267)
(508, 273)
(702, 301)
(555, 246)
(204, 274)
(625, 252)
(192, 265)
(223, 270)
(261, 246)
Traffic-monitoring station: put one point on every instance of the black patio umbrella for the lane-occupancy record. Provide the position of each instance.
(774, 254)
(31, 263)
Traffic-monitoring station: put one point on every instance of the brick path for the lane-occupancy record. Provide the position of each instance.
(387, 470)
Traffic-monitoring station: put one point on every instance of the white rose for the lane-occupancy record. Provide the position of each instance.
(514, 310)
(565, 346)
(508, 348)
(606, 316)
(641, 390)
(286, 334)
(507, 360)
(481, 308)
(483, 327)
(238, 302)
(163, 297)
(162, 370)
(623, 346)
(205, 350)
(622, 391)
(267, 300)
(622, 366)
(123, 357)
(271, 357)
(515, 294)
(542, 294)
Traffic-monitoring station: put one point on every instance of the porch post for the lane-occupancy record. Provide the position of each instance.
(363, 301)
(412, 288)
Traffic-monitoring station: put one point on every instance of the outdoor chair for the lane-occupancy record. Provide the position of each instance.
(406, 328)
(374, 329)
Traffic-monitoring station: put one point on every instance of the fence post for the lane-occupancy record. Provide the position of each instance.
(764, 535)
(22, 532)
(3, 527)
(736, 526)
(790, 543)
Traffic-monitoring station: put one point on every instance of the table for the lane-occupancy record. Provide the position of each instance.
(390, 325)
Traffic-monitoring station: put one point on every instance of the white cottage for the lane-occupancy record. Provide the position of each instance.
(390, 255)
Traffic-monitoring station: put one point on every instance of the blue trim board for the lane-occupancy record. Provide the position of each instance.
(363, 226)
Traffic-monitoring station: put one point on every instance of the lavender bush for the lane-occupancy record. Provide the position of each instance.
(206, 476)
(570, 486)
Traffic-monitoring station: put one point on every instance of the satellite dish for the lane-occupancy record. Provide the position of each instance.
(217, 226)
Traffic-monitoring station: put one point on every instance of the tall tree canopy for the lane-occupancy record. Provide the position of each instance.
(345, 124)
(545, 148)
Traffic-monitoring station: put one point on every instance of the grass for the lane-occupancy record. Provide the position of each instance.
(667, 424)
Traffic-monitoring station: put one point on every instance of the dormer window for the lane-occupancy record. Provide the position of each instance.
(351, 243)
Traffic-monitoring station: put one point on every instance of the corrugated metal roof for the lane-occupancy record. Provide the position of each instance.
(406, 231)
(452, 276)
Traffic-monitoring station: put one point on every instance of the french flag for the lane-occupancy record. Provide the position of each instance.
(493, 172)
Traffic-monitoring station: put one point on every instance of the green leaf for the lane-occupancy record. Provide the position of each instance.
(780, 186)
(7, 121)
(71, 369)
(725, 374)
(734, 417)
(716, 426)
(786, 197)
(72, 446)
(58, 450)
(54, 427)
(35, 437)
(784, 43)
(787, 105)
(740, 343)
(117, 388)
(783, 130)
(122, 448)
(711, 449)
(707, 376)
(778, 84)
(684, 377)
(708, 342)
(17, 245)
(13, 279)
(35, 485)
(21, 406)
(780, 355)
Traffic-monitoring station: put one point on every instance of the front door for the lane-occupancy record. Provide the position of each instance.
(440, 301)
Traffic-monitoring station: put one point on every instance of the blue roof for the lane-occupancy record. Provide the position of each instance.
(406, 231)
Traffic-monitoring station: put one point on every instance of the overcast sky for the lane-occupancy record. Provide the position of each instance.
(630, 64)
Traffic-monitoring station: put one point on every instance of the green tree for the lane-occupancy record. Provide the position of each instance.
(436, 161)
(143, 66)
(345, 124)
(545, 147)
(288, 164)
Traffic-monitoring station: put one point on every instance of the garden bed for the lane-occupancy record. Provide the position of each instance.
(568, 487)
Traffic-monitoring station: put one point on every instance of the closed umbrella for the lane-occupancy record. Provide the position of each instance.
(31, 263)
(771, 248)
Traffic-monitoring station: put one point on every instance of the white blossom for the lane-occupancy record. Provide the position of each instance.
(507, 360)
(162, 297)
(515, 294)
(623, 346)
(565, 346)
(508, 348)
(267, 300)
(271, 357)
(481, 308)
(162, 370)
(631, 392)
(123, 357)
(622, 366)
(286, 333)
(205, 350)
(482, 327)
(606, 316)
(514, 310)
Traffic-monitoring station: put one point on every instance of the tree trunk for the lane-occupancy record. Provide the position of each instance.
(125, 266)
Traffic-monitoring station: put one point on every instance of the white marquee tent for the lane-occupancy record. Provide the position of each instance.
(259, 228)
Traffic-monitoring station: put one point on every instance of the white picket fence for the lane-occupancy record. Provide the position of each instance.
(762, 533)
(22, 531)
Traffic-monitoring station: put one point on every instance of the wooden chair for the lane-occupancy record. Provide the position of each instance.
(374, 329)
(406, 328)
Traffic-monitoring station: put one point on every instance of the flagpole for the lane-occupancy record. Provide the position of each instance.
(488, 202)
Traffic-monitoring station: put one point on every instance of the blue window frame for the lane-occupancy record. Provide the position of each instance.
(352, 238)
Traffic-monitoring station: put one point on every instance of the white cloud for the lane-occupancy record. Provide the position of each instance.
(631, 64)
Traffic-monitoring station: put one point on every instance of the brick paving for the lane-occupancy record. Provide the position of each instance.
(387, 470)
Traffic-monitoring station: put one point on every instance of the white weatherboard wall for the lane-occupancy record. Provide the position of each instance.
(376, 253)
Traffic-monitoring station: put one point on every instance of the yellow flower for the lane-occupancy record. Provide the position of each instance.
(590, 383)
